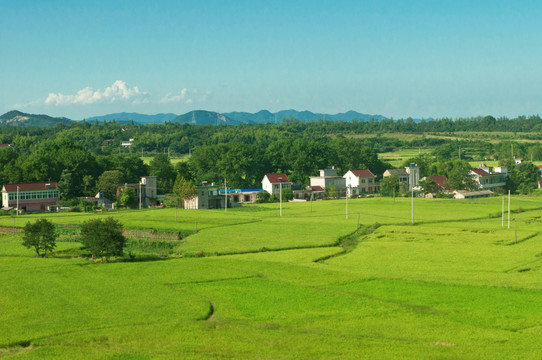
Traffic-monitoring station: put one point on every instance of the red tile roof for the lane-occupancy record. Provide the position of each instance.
(362, 173)
(317, 188)
(439, 179)
(479, 172)
(31, 186)
(277, 178)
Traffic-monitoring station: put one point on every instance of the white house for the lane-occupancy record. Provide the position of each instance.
(327, 178)
(360, 182)
(273, 182)
(409, 175)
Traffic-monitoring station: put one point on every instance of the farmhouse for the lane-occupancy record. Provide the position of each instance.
(242, 196)
(360, 182)
(145, 190)
(308, 192)
(464, 194)
(410, 175)
(272, 183)
(486, 180)
(206, 197)
(30, 197)
(328, 177)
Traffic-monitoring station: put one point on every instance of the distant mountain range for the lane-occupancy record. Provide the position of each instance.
(202, 117)
(197, 117)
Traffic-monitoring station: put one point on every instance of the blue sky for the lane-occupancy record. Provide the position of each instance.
(395, 58)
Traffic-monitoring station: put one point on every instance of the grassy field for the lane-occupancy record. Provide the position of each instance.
(251, 284)
(174, 160)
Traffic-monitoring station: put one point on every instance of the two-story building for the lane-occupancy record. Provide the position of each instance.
(361, 181)
(272, 183)
(328, 177)
(486, 180)
(146, 190)
(30, 197)
(206, 197)
(409, 175)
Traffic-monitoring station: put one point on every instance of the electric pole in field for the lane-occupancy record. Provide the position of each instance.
(280, 196)
(509, 209)
(225, 197)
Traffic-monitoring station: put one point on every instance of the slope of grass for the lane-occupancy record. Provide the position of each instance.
(453, 285)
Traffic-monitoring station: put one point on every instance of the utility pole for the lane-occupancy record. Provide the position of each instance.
(502, 220)
(139, 194)
(17, 200)
(509, 209)
(346, 197)
(280, 197)
(225, 197)
(412, 207)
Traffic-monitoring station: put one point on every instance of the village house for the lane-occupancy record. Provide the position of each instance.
(272, 183)
(464, 194)
(98, 200)
(360, 182)
(146, 190)
(309, 192)
(30, 197)
(487, 180)
(409, 175)
(206, 197)
(328, 177)
(242, 196)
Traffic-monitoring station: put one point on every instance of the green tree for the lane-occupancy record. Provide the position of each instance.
(429, 186)
(332, 191)
(129, 197)
(103, 238)
(161, 167)
(66, 186)
(522, 177)
(183, 189)
(287, 194)
(263, 197)
(109, 182)
(389, 186)
(41, 236)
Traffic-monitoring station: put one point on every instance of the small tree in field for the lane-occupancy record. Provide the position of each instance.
(41, 236)
(129, 198)
(103, 238)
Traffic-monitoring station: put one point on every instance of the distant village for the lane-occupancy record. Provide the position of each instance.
(44, 196)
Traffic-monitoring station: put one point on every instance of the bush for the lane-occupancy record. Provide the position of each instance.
(41, 236)
(103, 238)
(262, 197)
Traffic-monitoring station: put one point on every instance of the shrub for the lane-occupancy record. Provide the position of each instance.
(41, 236)
(103, 238)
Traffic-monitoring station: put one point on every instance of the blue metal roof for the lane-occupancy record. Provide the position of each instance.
(237, 191)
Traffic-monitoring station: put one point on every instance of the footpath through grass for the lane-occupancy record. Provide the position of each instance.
(252, 284)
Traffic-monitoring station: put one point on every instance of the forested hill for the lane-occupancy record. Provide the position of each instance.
(84, 149)
(17, 118)
(196, 117)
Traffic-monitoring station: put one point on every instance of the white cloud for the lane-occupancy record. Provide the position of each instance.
(175, 98)
(119, 91)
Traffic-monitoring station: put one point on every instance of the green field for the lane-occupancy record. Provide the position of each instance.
(398, 158)
(308, 285)
(174, 160)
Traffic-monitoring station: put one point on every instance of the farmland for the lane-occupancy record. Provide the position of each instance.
(248, 283)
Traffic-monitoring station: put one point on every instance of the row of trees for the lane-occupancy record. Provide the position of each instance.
(244, 164)
(105, 138)
(101, 238)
